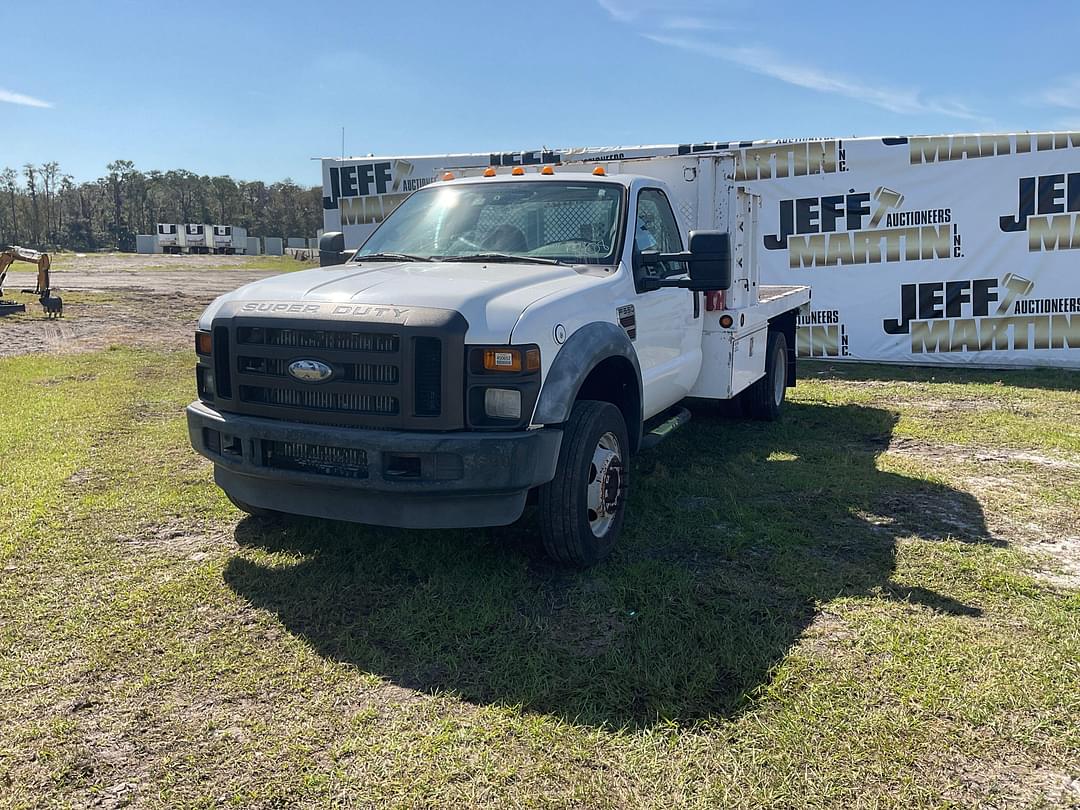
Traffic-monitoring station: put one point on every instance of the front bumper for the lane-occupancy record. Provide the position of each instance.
(409, 479)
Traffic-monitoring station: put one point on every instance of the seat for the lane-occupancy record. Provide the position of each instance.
(506, 238)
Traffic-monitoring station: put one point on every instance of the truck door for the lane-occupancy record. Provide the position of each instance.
(667, 321)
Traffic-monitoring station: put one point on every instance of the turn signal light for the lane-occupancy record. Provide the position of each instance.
(547, 170)
(511, 360)
(489, 171)
(203, 343)
(599, 171)
(726, 321)
(518, 171)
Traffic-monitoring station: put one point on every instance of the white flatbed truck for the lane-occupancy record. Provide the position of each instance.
(499, 337)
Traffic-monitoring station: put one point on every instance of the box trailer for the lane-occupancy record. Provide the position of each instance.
(229, 239)
(196, 238)
(168, 238)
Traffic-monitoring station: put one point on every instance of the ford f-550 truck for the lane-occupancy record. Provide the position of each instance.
(500, 335)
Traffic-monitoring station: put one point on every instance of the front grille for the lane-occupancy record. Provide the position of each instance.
(316, 339)
(350, 372)
(311, 399)
(386, 375)
(339, 462)
(428, 379)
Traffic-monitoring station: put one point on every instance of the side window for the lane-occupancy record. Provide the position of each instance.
(657, 229)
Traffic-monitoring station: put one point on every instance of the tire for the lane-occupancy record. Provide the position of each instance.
(581, 510)
(255, 511)
(765, 398)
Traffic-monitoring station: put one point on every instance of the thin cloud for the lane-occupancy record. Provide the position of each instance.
(674, 28)
(8, 97)
(672, 16)
(687, 23)
(1066, 94)
(766, 63)
(620, 11)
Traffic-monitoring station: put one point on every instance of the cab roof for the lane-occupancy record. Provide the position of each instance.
(536, 177)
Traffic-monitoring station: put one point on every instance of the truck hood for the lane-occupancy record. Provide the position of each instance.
(491, 296)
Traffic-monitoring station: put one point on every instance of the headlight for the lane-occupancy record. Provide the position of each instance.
(502, 385)
(502, 403)
(204, 344)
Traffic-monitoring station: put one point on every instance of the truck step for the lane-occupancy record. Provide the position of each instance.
(676, 418)
(10, 307)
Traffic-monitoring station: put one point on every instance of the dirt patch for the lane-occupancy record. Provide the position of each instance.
(956, 454)
(178, 539)
(129, 300)
(1011, 781)
(938, 405)
(932, 516)
(1007, 484)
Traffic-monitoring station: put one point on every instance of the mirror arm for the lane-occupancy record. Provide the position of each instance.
(649, 257)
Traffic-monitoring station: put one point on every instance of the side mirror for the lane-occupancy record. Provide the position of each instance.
(710, 260)
(331, 248)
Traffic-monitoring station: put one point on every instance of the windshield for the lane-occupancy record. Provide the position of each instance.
(575, 223)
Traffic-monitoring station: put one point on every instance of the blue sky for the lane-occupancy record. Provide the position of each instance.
(255, 89)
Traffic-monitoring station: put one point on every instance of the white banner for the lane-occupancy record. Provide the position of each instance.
(955, 249)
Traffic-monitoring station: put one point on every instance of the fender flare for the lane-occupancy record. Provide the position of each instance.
(584, 351)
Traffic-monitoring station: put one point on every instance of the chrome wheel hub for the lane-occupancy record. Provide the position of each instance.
(607, 482)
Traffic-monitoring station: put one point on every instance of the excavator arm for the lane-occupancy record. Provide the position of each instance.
(5, 263)
(53, 305)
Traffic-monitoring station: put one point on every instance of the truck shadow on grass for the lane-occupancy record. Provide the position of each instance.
(738, 531)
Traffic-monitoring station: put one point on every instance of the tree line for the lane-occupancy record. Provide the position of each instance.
(43, 208)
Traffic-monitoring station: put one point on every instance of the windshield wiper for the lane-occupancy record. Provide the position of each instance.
(391, 257)
(500, 257)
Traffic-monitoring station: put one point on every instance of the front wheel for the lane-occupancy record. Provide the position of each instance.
(765, 397)
(582, 507)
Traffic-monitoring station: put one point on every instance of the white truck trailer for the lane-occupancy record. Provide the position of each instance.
(229, 239)
(168, 237)
(196, 238)
(513, 335)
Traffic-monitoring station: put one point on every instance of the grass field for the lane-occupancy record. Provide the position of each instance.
(871, 603)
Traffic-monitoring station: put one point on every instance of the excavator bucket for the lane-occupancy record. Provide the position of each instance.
(11, 307)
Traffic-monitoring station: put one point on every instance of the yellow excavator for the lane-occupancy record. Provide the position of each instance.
(52, 304)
